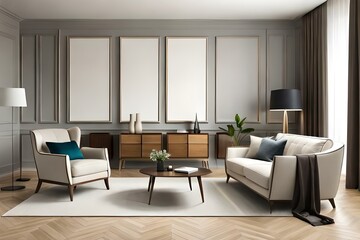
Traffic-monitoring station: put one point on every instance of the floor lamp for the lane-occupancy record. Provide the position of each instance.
(285, 100)
(12, 97)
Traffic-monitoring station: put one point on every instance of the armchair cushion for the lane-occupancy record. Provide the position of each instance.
(67, 148)
(88, 166)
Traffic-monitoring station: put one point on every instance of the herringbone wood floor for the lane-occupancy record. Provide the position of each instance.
(347, 218)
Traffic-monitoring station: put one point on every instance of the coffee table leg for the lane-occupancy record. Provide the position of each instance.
(190, 183)
(152, 187)
(201, 188)
(149, 183)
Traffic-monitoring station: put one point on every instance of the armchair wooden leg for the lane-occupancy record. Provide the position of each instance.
(71, 191)
(38, 186)
(332, 201)
(106, 180)
(227, 178)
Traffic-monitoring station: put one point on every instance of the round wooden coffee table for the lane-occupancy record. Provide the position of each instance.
(152, 173)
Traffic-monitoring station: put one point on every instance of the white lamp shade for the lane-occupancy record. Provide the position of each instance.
(12, 97)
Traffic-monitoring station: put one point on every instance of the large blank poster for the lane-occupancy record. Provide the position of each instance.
(89, 88)
(139, 78)
(237, 78)
(186, 79)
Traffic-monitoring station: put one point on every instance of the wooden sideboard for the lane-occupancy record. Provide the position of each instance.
(181, 146)
(223, 141)
(189, 146)
(138, 146)
(102, 140)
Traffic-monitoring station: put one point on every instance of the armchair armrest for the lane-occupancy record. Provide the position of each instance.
(53, 167)
(95, 153)
(236, 152)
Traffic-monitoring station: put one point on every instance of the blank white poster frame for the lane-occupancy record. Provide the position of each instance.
(139, 78)
(186, 79)
(237, 78)
(89, 79)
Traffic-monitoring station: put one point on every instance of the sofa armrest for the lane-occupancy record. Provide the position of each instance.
(53, 167)
(284, 173)
(330, 164)
(282, 178)
(236, 152)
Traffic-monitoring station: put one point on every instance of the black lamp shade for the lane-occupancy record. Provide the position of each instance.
(285, 99)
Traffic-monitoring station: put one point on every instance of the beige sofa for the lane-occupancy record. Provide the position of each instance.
(275, 180)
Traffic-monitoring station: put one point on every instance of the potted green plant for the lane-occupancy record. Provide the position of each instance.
(159, 156)
(240, 133)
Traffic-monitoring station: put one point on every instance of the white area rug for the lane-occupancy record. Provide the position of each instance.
(129, 197)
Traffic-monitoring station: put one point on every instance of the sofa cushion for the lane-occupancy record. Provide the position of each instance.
(254, 146)
(87, 166)
(259, 173)
(299, 144)
(269, 148)
(238, 164)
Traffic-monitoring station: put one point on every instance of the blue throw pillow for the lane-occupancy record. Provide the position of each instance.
(269, 148)
(68, 148)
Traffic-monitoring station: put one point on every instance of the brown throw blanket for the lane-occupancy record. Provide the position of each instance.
(306, 199)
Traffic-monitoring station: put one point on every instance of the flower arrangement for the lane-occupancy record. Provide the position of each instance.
(160, 155)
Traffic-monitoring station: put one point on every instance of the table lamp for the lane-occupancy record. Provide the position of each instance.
(285, 100)
(12, 97)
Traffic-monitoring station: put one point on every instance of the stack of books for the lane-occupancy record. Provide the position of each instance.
(186, 170)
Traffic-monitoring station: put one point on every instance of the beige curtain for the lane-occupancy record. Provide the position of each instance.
(353, 142)
(314, 67)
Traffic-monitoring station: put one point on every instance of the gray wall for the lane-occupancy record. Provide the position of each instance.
(44, 72)
(9, 77)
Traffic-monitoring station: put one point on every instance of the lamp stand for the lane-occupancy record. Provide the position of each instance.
(285, 122)
(21, 179)
(12, 187)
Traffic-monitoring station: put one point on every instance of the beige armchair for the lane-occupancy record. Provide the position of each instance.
(59, 169)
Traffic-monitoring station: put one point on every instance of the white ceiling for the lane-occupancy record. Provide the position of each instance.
(159, 9)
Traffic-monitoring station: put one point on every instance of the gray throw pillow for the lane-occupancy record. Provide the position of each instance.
(269, 148)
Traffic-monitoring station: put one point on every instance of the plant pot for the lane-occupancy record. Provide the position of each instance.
(160, 166)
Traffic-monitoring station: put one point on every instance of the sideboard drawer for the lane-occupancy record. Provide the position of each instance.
(198, 151)
(130, 139)
(151, 138)
(177, 150)
(147, 148)
(198, 138)
(130, 150)
(177, 138)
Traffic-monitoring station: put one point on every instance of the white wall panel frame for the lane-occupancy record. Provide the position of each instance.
(42, 81)
(186, 79)
(139, 78)
(238, 78)
(280, 69)
(89, 79)
(28, 114)
(8, 69)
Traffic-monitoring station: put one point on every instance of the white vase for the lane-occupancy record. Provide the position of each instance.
(138, 124)
(132, 123)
